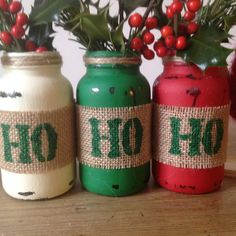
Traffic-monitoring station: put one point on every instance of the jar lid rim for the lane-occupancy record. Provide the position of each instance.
(173, 59)
(112, 60)
(22, 59)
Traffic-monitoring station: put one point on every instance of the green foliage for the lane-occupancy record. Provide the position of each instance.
(205, 47)
(44, 11)
(95, 31)
(117, 38)
(91, 30)
(130, 6)
(99, 30)
(220, 13)
(42, 35)
(96, 25)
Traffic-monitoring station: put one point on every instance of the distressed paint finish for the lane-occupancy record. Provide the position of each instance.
(186, 85)
(113, 86)
(34, 88)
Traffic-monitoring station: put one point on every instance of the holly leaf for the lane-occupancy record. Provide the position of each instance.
(205, 48)
(95, 26)
(42, 35)
(117, 38)
(130, 6)
(229, 21)
(44, 10)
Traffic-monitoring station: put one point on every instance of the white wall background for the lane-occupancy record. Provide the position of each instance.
(73, 66)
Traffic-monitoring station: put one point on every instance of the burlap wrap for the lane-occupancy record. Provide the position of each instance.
(62, 120)
(163, 136)
(84, 113)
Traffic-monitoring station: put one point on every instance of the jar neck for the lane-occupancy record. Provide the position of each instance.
(32, 63)
(168, 61)
(42, 71)
(110, 60)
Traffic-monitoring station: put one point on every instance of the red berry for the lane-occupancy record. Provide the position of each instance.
(4, 5)
(148, 38)
(6, 37)
(166, 30)
(192, 27)
(176, 7)
(136, 44)
(181, 43)
(170, 41)
(194, 5)
(161, 51)
(22, 19)
(42, 49)
(158, 44)
(17, 31)
(30, 46)
(135, 20)
(188, 16)
(151, 23)
(169, 12)
(15, 7)
(148, 54)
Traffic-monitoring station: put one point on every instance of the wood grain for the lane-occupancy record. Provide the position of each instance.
(155, 211)
(230, 167)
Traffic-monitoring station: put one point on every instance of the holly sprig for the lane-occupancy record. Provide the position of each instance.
(20, 32)
(98, 30)
(205, 47)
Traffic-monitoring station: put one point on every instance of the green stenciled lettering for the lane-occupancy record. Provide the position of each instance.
(194, 137)
(114, 137)
(96, 138)
(128, 129)
(23, 143)
(36, 140)
(209, 147)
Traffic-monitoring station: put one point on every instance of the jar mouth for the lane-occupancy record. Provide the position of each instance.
(26, 59)
(110, 58)
(173, 59)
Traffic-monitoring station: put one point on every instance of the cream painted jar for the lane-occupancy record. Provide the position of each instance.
(37, 141)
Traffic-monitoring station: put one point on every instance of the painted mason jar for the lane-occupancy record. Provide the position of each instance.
(37, 141)
(191, 127)
(233, 87)
(114, 117)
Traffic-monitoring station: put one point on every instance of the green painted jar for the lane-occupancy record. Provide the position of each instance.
(114, 125)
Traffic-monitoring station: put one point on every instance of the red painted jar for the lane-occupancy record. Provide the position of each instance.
(233, 88)
(190, 127)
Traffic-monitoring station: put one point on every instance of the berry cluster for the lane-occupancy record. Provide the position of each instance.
(177, 39)
(181, 15)
(14, 25)
(140, 43)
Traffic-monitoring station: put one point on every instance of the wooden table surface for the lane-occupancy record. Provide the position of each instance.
(155, 211)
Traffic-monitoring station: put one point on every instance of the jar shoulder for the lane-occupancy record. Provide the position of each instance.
(210, 88)
(34, 92)
(116, 89)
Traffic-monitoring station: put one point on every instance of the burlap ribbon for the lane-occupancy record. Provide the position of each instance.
(163, 136)
(40, 134)
(141, 114)
(31, 59)
(112, 60)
